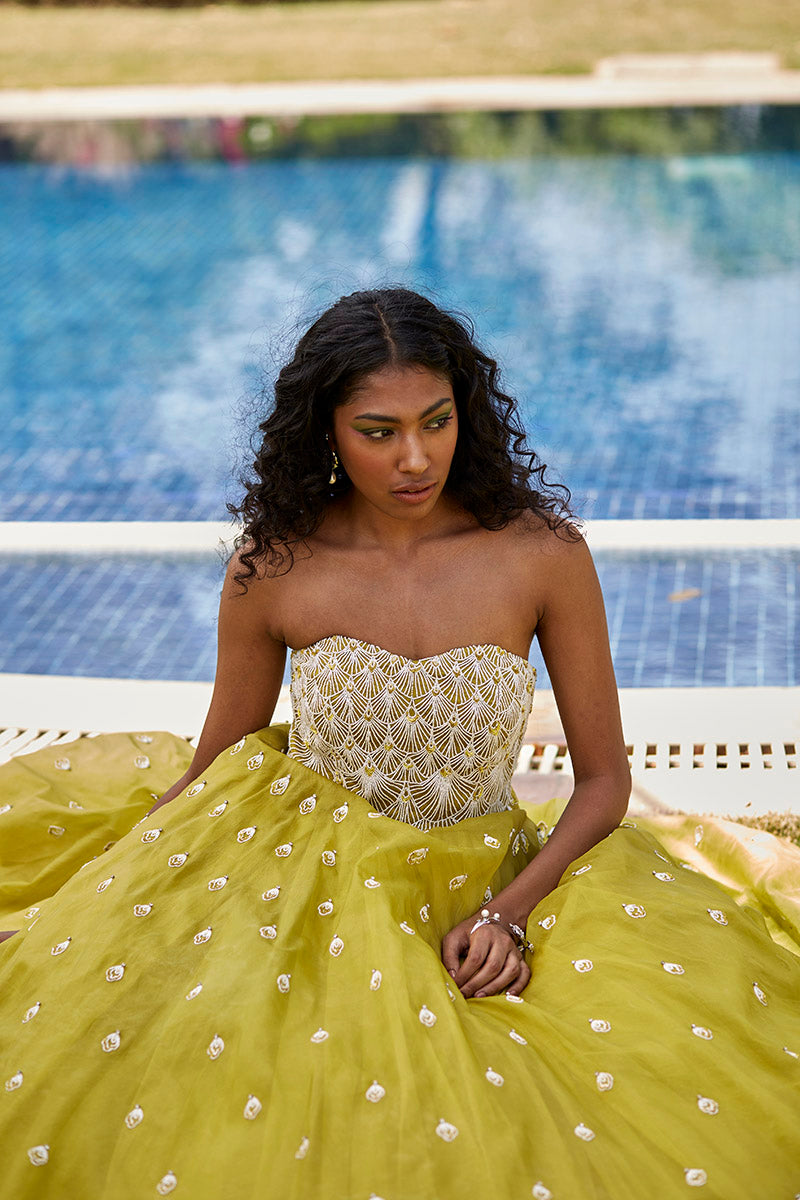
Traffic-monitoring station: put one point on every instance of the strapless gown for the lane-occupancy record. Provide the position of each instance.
(241, 997)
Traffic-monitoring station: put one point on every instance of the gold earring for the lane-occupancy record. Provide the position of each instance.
(335, 464)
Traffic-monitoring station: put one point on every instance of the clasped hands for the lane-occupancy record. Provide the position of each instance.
(486, 962)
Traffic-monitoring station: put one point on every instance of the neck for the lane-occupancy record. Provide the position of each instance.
(364, 526)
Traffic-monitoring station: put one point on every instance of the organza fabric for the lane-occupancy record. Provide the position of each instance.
(242, 996)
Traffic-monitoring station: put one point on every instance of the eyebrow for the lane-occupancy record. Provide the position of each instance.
(394, 421)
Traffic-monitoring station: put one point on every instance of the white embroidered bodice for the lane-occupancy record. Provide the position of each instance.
(429, 741)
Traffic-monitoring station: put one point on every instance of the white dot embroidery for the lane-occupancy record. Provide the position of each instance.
(134, 1117)
(167, 1183)
(215, 1047)
(446, 1131)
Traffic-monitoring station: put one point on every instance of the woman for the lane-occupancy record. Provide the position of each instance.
(307, 972)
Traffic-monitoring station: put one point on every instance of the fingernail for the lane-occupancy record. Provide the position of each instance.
(453, 974)
(477, 994)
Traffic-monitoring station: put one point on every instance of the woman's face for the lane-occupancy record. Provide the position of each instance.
(396, 436)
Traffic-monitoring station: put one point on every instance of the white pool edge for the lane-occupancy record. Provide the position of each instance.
(188, 538)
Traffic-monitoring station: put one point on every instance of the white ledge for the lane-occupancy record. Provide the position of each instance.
(617, 85)
(187, 538)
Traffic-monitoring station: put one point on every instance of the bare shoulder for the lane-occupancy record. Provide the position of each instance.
(530, 534)
(252, 596)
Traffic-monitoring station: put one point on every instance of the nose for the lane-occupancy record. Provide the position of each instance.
(413, 460)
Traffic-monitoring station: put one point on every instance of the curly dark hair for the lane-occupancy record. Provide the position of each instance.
(493, 474)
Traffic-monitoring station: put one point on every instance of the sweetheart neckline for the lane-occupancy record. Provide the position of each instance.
(426, 658)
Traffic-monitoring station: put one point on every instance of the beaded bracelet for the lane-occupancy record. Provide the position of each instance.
(523, 944)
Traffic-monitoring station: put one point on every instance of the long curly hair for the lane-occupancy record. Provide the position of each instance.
(493, 474)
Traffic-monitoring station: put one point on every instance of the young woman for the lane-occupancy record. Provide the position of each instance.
(339, 960)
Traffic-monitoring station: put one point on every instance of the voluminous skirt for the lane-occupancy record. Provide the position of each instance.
(243, 996)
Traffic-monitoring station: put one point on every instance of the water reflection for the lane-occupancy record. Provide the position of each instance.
(647, 308)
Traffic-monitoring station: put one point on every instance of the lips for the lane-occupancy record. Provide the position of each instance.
(413, 488)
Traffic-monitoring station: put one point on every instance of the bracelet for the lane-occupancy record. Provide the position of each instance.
(518, 934)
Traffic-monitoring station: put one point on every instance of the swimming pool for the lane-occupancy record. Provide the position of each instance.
(646, 308)
(647, 311)
(675, 620)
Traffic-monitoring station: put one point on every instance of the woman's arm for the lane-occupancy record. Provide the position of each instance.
(250, 663)
(573, 636)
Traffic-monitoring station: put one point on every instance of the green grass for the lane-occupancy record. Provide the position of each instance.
(388, 39)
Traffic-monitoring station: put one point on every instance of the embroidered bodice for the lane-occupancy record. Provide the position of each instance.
(429, 741)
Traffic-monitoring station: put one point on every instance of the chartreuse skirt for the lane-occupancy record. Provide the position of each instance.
(242, 996)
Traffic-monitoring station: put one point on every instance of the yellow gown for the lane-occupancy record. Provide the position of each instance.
(242, 996)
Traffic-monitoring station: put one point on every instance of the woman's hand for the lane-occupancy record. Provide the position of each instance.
(485, 962)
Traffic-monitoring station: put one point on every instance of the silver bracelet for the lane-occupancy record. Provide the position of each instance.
(521, 940)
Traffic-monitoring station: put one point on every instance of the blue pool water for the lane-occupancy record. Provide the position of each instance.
(155, 618)
(647, 311)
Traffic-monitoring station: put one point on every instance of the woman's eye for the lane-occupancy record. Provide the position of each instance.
(440, 422)
(374, 435)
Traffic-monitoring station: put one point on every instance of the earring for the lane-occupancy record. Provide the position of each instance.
(334, 465)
